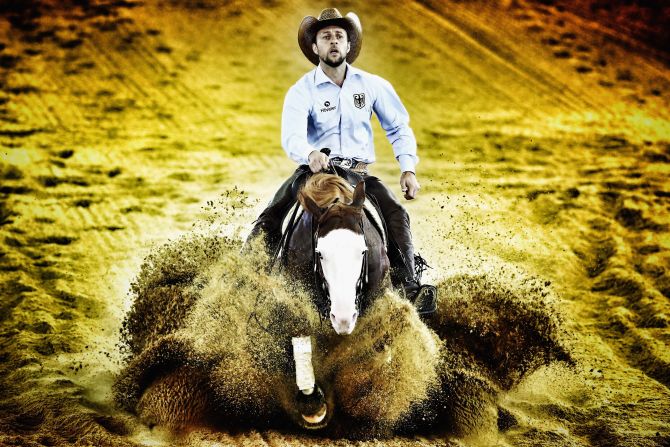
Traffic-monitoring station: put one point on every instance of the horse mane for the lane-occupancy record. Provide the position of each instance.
(323, 189)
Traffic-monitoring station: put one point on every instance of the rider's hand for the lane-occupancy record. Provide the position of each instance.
(318, 161)
(409, 184)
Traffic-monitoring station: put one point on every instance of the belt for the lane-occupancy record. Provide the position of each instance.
(349, 163)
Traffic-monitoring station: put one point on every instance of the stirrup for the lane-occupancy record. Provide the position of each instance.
(423, 297)
(425, 300)
(313, 408)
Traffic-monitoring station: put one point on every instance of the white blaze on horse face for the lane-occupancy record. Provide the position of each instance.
(342, 260)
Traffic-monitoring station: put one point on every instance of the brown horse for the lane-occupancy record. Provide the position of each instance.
(338, 250)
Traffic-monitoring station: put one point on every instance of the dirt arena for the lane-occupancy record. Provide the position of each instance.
(544, 138)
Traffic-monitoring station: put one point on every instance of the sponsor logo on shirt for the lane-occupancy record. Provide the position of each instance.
(327, 107)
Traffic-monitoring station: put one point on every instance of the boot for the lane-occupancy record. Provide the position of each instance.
(423, 296)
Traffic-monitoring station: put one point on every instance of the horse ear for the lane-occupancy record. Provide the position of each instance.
(359, 194)
(311, 205)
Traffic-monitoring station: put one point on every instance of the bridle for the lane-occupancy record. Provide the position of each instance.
(321, 284)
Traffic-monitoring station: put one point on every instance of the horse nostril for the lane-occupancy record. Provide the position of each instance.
(332, 316)
(354, 316)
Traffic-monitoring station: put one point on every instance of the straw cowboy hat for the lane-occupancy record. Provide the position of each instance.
(330, 16)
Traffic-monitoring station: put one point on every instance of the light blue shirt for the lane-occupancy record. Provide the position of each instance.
(318, 113)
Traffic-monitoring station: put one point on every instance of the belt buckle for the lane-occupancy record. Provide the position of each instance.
(346, 163)
(360, 168)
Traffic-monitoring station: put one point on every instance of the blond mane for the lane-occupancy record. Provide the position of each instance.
(323, 189)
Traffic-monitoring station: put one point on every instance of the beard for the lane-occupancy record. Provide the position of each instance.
(334, 62)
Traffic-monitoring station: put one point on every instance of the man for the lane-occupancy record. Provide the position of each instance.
(330, 107)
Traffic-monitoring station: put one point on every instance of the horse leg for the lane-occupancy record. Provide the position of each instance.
(304, 371)
(310, 399)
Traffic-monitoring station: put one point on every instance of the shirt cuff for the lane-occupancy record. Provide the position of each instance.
(301, 153)
(407, 163)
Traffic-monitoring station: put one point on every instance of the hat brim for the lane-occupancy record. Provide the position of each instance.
(311, 25)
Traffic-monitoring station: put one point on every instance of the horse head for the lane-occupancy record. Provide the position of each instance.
(340, 256)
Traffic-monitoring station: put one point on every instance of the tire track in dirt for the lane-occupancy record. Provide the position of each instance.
(556, 82)
(606, 71)
(465, 64)
(532, 81)
(471, 29)
(46, 99)
(57, 114)
(34, 104)
(179, 91)
(496, 44)
(653, 57)
(137, 78)
(125, 88)
(227, 103)
(27, 104)
(71, 113)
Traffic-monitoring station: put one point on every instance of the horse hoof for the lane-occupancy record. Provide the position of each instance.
(312, 408)
(316, 419)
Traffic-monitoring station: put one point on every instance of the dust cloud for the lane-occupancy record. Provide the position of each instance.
(209, 345)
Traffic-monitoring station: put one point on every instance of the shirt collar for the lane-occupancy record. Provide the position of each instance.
(321, 78)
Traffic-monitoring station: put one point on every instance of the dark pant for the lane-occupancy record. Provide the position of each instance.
(400, 248)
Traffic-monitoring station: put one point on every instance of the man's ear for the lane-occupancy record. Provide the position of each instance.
(348, 46)
(315, 49)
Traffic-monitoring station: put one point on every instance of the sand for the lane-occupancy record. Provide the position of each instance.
(544, 141)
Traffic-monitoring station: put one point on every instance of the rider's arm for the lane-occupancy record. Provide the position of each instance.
(394, 119)
(294, 125)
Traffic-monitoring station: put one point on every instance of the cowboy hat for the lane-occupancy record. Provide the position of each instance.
(328, 17)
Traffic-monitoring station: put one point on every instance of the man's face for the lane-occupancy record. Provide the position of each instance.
(331, 45)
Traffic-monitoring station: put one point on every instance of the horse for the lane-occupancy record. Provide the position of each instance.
(337, 250)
